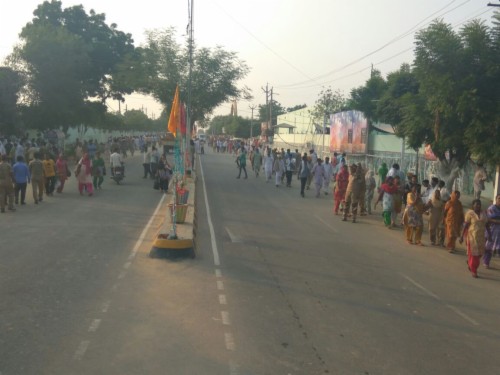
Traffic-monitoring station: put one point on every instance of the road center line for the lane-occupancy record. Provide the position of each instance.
(80, 351)
(94, 325)
(215, 251)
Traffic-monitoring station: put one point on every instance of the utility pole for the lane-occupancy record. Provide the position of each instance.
(252, 107)
(267, 104)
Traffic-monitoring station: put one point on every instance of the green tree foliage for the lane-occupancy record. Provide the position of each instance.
(70, 59)
(365, 98)
(449, 99)
(276, 110)
(401, 87)
(328, 102)
(235, 126)
(214, 76)
(10, 86)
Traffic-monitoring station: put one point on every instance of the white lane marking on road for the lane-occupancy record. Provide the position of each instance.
(146, 229)
(463, 315)
(94, 325)
(229, 340)
(114, 287)
(451, 307)
(80, 351)
(427, 291)
(329, 225)
(127, 265)
(225, 318)
(234, 239)
(222, 299)
(220, 285)
(233, 368)
(105, 306)
(122, 274)
(218, 273)
(215, 251)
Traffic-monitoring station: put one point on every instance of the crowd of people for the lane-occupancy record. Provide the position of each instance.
(43, 165)
(405, 201)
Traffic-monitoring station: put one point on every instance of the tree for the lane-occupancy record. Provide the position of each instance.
(137, 120)
(10, 86)
(276, 110)
(365, 98)
(235, 126)
(214, 76)
(69, 59)
(328, 102)
(458, 77)
(400, 85)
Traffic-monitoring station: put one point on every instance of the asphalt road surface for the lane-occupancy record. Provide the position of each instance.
(279, 286)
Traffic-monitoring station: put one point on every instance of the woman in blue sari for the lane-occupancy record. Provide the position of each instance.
(493, 243)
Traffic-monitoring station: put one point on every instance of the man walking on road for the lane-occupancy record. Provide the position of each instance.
(242, 162)
(6, 184)
(36, 172)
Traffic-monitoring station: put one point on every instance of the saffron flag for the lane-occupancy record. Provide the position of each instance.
(174, 122)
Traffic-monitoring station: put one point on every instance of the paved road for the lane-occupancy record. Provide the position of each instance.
(279, 286)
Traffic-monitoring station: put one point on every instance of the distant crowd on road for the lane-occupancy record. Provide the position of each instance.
(44, 165)
(405, 201)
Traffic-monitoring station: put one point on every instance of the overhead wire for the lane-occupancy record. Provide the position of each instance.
(468, 18)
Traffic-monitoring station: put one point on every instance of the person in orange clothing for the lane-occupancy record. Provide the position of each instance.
(342, 179)
(453, 219)
(49, 172)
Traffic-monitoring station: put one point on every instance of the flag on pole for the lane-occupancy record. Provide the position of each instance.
(174, 122)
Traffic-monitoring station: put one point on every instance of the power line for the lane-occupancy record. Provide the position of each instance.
(475, 15)
(410, 31)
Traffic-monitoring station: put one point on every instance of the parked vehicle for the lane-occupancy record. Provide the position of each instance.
(118, 174)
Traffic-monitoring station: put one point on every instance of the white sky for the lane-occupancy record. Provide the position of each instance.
(317, 43)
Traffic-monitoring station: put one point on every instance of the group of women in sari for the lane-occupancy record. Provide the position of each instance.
(479, 229)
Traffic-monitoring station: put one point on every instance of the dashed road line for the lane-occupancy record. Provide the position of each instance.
(222, 299)
(80, 351)
(220, 285)
(225, 318)
(83, 346)
(105, 306)
(229, 340)
(94, 325)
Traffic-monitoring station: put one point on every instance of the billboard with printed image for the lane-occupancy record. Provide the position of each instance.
(348, 132)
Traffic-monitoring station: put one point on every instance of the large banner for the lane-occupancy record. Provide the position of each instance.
(348, 132)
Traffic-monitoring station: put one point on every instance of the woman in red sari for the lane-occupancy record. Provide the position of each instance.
(475, 231)
(340, 187)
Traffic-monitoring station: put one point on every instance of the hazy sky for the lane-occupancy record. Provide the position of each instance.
(295, 46)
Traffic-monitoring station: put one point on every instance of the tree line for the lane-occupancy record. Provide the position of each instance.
(69, 63)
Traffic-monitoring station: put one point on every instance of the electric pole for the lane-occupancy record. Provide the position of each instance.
(252, 107)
